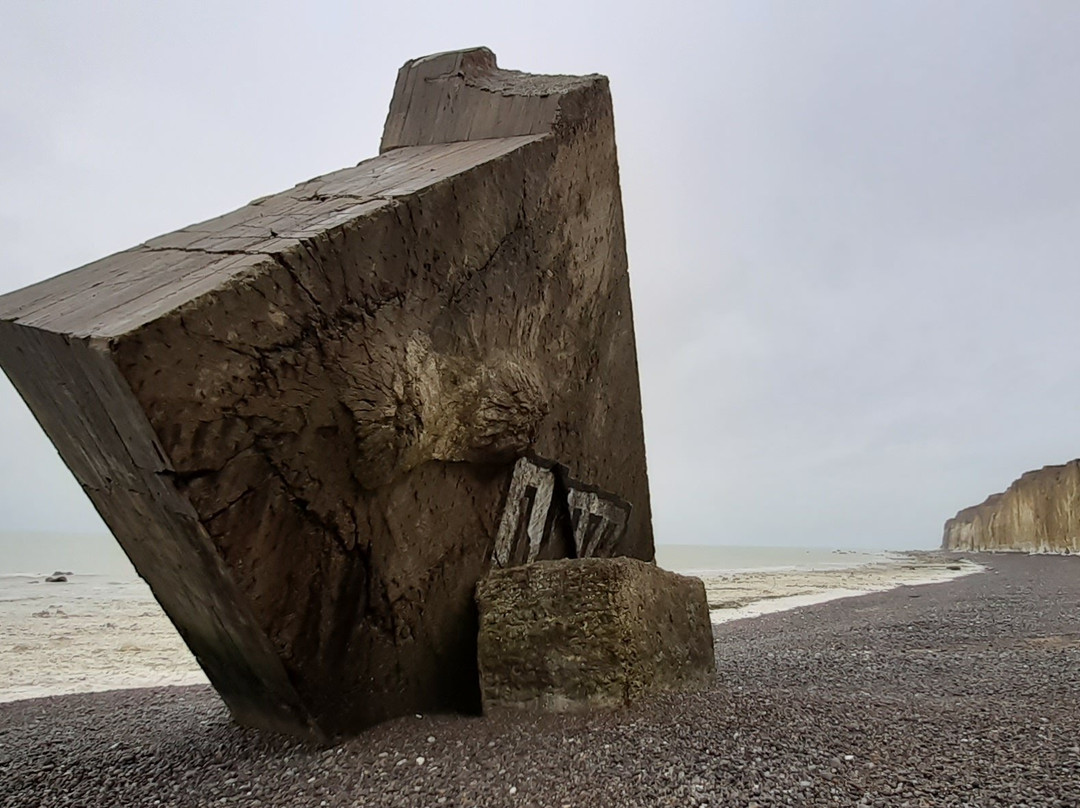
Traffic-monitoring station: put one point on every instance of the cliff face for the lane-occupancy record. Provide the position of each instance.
(1038, 513)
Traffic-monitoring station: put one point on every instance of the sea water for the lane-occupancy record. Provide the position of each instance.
(99, 630)
(708, 560)
(103, 629)
(92, 632)
(43, 553)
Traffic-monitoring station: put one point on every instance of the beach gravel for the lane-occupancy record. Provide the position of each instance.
(955, 694)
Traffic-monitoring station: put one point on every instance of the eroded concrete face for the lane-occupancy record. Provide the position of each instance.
(301, 420)
(596, 632)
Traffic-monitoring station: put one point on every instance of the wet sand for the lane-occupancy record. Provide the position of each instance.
(959, 693)
(740, 594)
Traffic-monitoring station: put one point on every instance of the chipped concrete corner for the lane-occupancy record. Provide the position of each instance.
(301, 420)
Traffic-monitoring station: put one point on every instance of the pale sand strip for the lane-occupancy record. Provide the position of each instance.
(57, 639)
(736, 595)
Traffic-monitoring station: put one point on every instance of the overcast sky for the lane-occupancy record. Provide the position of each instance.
(853, 227)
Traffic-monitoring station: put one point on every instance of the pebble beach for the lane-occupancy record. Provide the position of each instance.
(960, 693)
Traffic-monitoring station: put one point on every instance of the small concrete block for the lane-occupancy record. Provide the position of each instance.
(593, 632)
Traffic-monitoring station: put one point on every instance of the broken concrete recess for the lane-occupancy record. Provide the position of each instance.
(301, 419)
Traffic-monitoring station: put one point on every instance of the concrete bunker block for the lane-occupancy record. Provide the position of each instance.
(593, 632)
(300, 419)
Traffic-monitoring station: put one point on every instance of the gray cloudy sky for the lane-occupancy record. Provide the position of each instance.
(853, 227)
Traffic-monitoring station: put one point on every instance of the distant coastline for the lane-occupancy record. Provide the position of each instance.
(704, 560)
(42, 552)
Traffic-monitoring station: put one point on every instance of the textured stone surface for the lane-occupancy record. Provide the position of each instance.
(572, 634)
(1039, 513)
(300, 419)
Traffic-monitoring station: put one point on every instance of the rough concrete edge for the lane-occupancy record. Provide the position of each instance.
(434, 98)
(149, 467)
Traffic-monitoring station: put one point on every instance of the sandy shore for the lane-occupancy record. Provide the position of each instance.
(95, 634)
(90, 634)
(736, 595)
(953, 694)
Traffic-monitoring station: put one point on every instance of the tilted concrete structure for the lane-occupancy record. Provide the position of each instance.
(301, 419)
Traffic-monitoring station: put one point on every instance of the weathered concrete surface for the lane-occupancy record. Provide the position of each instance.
(300, 419)
(574, 634)
(1039, 513)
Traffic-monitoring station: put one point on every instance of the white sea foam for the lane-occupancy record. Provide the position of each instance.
(95, 632)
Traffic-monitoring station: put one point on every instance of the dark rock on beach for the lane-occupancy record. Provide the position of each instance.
(965, 696)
